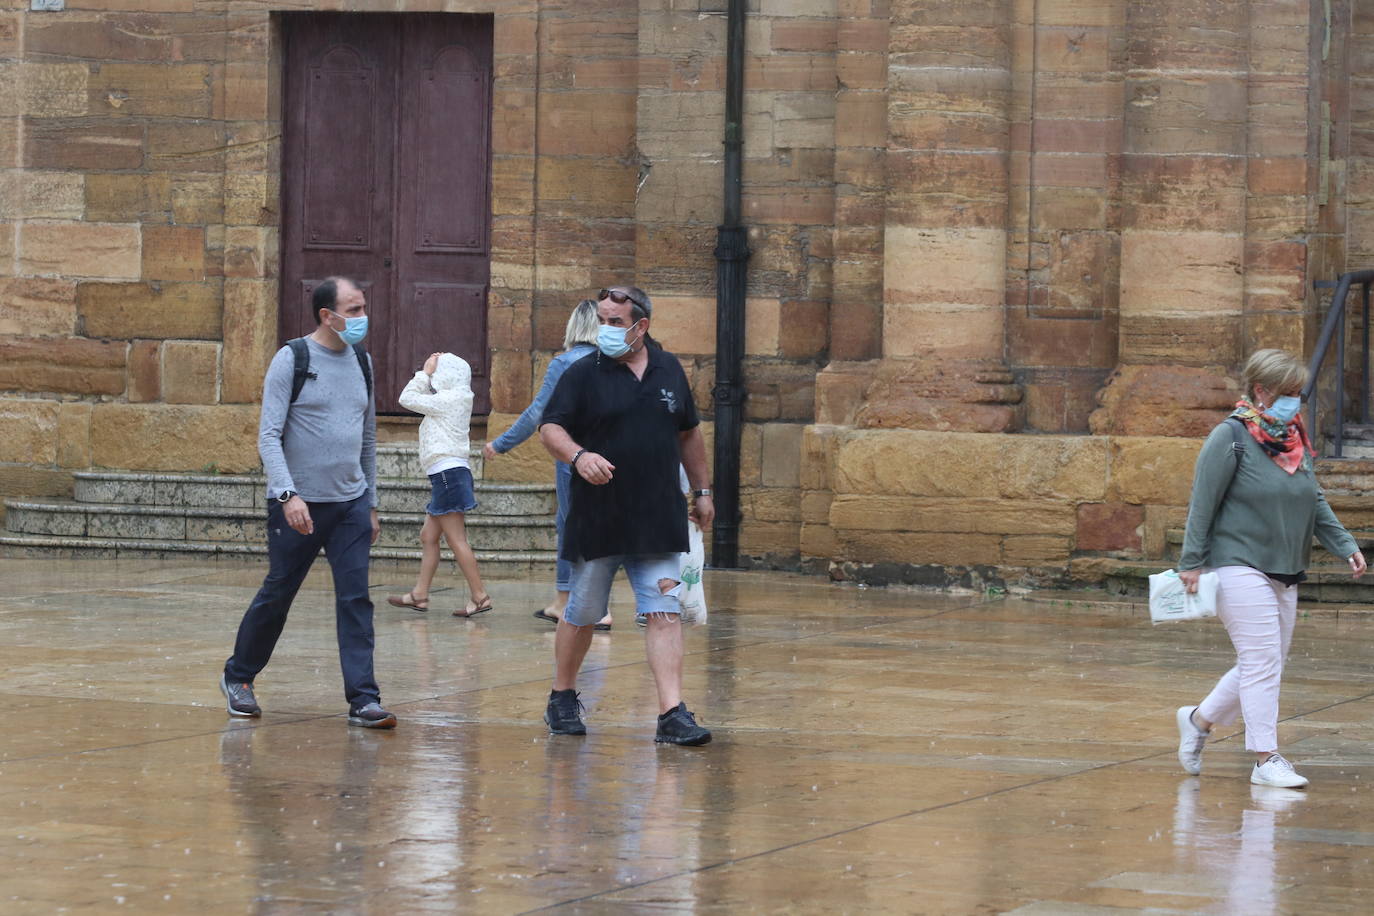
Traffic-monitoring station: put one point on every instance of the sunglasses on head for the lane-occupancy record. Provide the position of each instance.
(618, 297)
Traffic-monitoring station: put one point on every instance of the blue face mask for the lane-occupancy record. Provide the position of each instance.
(355, 329)
(611, 341)
(1284, 409)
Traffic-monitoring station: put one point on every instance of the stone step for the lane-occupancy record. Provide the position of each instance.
(1345, 475)
(522, 533)
(1320, 556)
(402, 461)
(494, 564)
(249, 491)
(1325, 583)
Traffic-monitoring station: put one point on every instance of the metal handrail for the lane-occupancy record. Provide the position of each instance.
(1334, 326)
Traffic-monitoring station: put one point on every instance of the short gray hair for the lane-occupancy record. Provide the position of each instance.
(1276, 370)
(583, 325)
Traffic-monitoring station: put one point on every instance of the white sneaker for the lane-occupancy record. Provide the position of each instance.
(1277, 772)
(1190, 741)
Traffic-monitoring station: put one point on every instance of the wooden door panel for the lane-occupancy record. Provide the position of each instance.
(443, 214)
(339, 153)
(386, 174)
(453, 317)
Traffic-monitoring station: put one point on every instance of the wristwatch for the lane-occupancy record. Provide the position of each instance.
(705, 492)
(286, 496)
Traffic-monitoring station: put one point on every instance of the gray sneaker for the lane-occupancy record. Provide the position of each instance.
(679, 726)
(239, 698)
(371, 716)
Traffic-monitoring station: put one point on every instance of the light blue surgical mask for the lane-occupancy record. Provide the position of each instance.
(1284, 409)
(611, 340)
(355, 329)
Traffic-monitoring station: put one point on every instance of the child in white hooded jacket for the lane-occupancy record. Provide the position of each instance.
(442, 392)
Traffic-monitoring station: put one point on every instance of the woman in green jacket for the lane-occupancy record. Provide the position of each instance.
(1254, 509)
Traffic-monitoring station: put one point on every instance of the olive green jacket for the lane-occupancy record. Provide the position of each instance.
(1267, 517)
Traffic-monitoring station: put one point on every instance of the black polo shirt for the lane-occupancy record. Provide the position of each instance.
(634, 424)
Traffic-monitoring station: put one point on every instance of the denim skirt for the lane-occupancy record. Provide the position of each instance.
(451, 491)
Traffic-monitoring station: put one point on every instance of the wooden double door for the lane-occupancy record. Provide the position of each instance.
(386, 174)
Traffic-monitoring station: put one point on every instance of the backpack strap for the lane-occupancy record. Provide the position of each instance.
(301, 352)
(1238, 436)
(365, 364)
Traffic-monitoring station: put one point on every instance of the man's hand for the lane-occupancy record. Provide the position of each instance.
(298, 515)
(376, 526)
(489, 451)
(594, 469)
(703, 511)
(1357, 564)
(1190, 577)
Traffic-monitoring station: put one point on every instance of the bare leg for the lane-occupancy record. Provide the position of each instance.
(570, 646)
(455, 532)
(429, 559)
(663, 645)
(560, 604)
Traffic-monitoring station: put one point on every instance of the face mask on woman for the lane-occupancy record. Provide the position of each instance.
(1284, 409)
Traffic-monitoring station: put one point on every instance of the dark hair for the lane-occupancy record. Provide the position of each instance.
(326, 296)
(641, 306)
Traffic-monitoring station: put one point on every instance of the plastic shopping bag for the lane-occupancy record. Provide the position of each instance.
(1169, 598)
(691, 596)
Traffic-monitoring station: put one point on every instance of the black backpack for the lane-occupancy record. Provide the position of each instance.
(301, 351)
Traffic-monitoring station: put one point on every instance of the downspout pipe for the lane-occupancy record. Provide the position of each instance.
(732, 256)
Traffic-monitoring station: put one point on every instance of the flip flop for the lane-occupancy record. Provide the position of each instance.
(541, 615)
(408, 600)
(480, 609)
(602, 626)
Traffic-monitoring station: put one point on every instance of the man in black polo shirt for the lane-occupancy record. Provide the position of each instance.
(624, 418)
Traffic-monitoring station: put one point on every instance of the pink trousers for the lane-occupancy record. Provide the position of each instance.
(1258, 613)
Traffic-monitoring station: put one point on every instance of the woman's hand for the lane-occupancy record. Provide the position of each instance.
(431, 364)
(1190, 577)
(1357, 564)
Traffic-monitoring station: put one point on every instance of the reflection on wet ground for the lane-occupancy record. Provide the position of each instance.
(876, 751)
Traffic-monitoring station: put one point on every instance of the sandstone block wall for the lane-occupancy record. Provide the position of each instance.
(1005, 254)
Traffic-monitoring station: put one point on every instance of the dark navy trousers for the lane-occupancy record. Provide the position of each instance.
(344, 530)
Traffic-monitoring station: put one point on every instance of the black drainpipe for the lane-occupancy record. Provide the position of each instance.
(732, 256)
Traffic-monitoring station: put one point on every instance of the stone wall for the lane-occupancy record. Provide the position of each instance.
(1006, 253)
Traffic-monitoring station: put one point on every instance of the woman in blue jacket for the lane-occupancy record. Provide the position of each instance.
(579, 340)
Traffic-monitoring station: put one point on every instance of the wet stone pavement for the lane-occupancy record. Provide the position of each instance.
(875, 751)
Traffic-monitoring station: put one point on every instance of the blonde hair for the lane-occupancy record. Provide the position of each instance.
(583, 325)
(1277, 370)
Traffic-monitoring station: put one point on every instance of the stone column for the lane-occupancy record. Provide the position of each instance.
(945, 233)
(1183, 218)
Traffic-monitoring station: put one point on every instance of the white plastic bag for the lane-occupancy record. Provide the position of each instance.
(1169, 598)
(691, 595)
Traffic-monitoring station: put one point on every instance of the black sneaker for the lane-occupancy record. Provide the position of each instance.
(679, 726)
(239, 698)
(371, 716)
(564, 713)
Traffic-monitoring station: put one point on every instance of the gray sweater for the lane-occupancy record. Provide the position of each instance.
(1265, 520)
(324, 446)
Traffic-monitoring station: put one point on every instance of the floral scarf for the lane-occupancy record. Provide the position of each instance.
(1286, 443)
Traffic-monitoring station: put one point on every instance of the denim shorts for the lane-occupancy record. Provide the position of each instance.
(591, 586)
(451, 491)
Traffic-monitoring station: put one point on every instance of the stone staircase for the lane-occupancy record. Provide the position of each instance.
(131, 514)
(1349, 485)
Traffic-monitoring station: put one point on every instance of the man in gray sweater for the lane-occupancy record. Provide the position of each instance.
(318, 447)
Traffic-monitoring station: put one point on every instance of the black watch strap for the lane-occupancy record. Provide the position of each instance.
(286, 495)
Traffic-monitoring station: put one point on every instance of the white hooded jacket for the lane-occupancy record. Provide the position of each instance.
(445, 400)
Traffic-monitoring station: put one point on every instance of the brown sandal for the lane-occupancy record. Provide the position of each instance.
(408, 600)
(480, 609)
